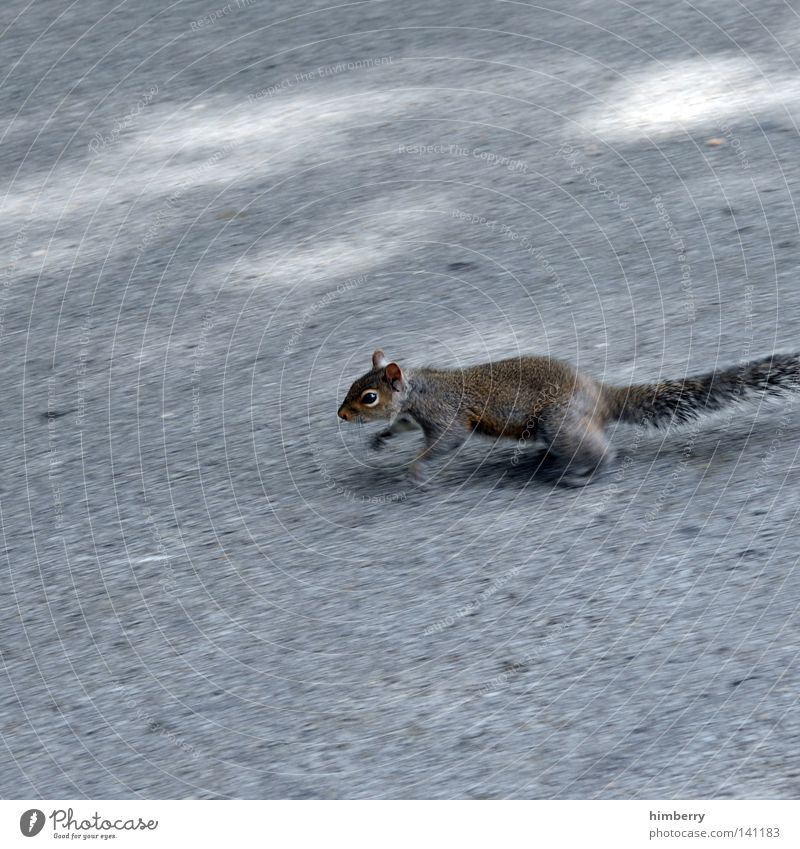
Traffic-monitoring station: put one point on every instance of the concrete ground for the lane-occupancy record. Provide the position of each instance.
(211, 218)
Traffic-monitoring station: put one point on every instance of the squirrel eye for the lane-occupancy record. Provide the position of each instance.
(369, 398)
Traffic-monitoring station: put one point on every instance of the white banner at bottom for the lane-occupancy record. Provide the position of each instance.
(378, 824)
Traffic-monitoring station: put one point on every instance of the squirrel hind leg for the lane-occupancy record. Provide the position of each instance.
(577, 449)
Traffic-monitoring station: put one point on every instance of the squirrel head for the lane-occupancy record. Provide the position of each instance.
(379, 394)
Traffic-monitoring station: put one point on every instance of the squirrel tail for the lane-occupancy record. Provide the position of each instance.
(679, 401)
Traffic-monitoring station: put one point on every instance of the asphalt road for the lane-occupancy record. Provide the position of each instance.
(211, 216)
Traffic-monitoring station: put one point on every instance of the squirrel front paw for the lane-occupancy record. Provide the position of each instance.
(378, 440)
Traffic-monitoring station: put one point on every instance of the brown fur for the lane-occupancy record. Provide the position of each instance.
(537, 398)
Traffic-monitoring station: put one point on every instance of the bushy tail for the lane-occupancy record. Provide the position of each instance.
(678, 401)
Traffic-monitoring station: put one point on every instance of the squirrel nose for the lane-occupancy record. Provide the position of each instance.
(343, 414)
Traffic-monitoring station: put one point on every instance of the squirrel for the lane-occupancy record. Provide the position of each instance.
(548, 401)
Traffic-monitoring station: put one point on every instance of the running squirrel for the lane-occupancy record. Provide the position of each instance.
(546, 400)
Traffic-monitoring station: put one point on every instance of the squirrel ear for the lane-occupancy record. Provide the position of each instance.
(394, 376)
(378, 359)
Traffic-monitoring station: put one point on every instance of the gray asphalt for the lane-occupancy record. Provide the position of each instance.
(211, 217)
